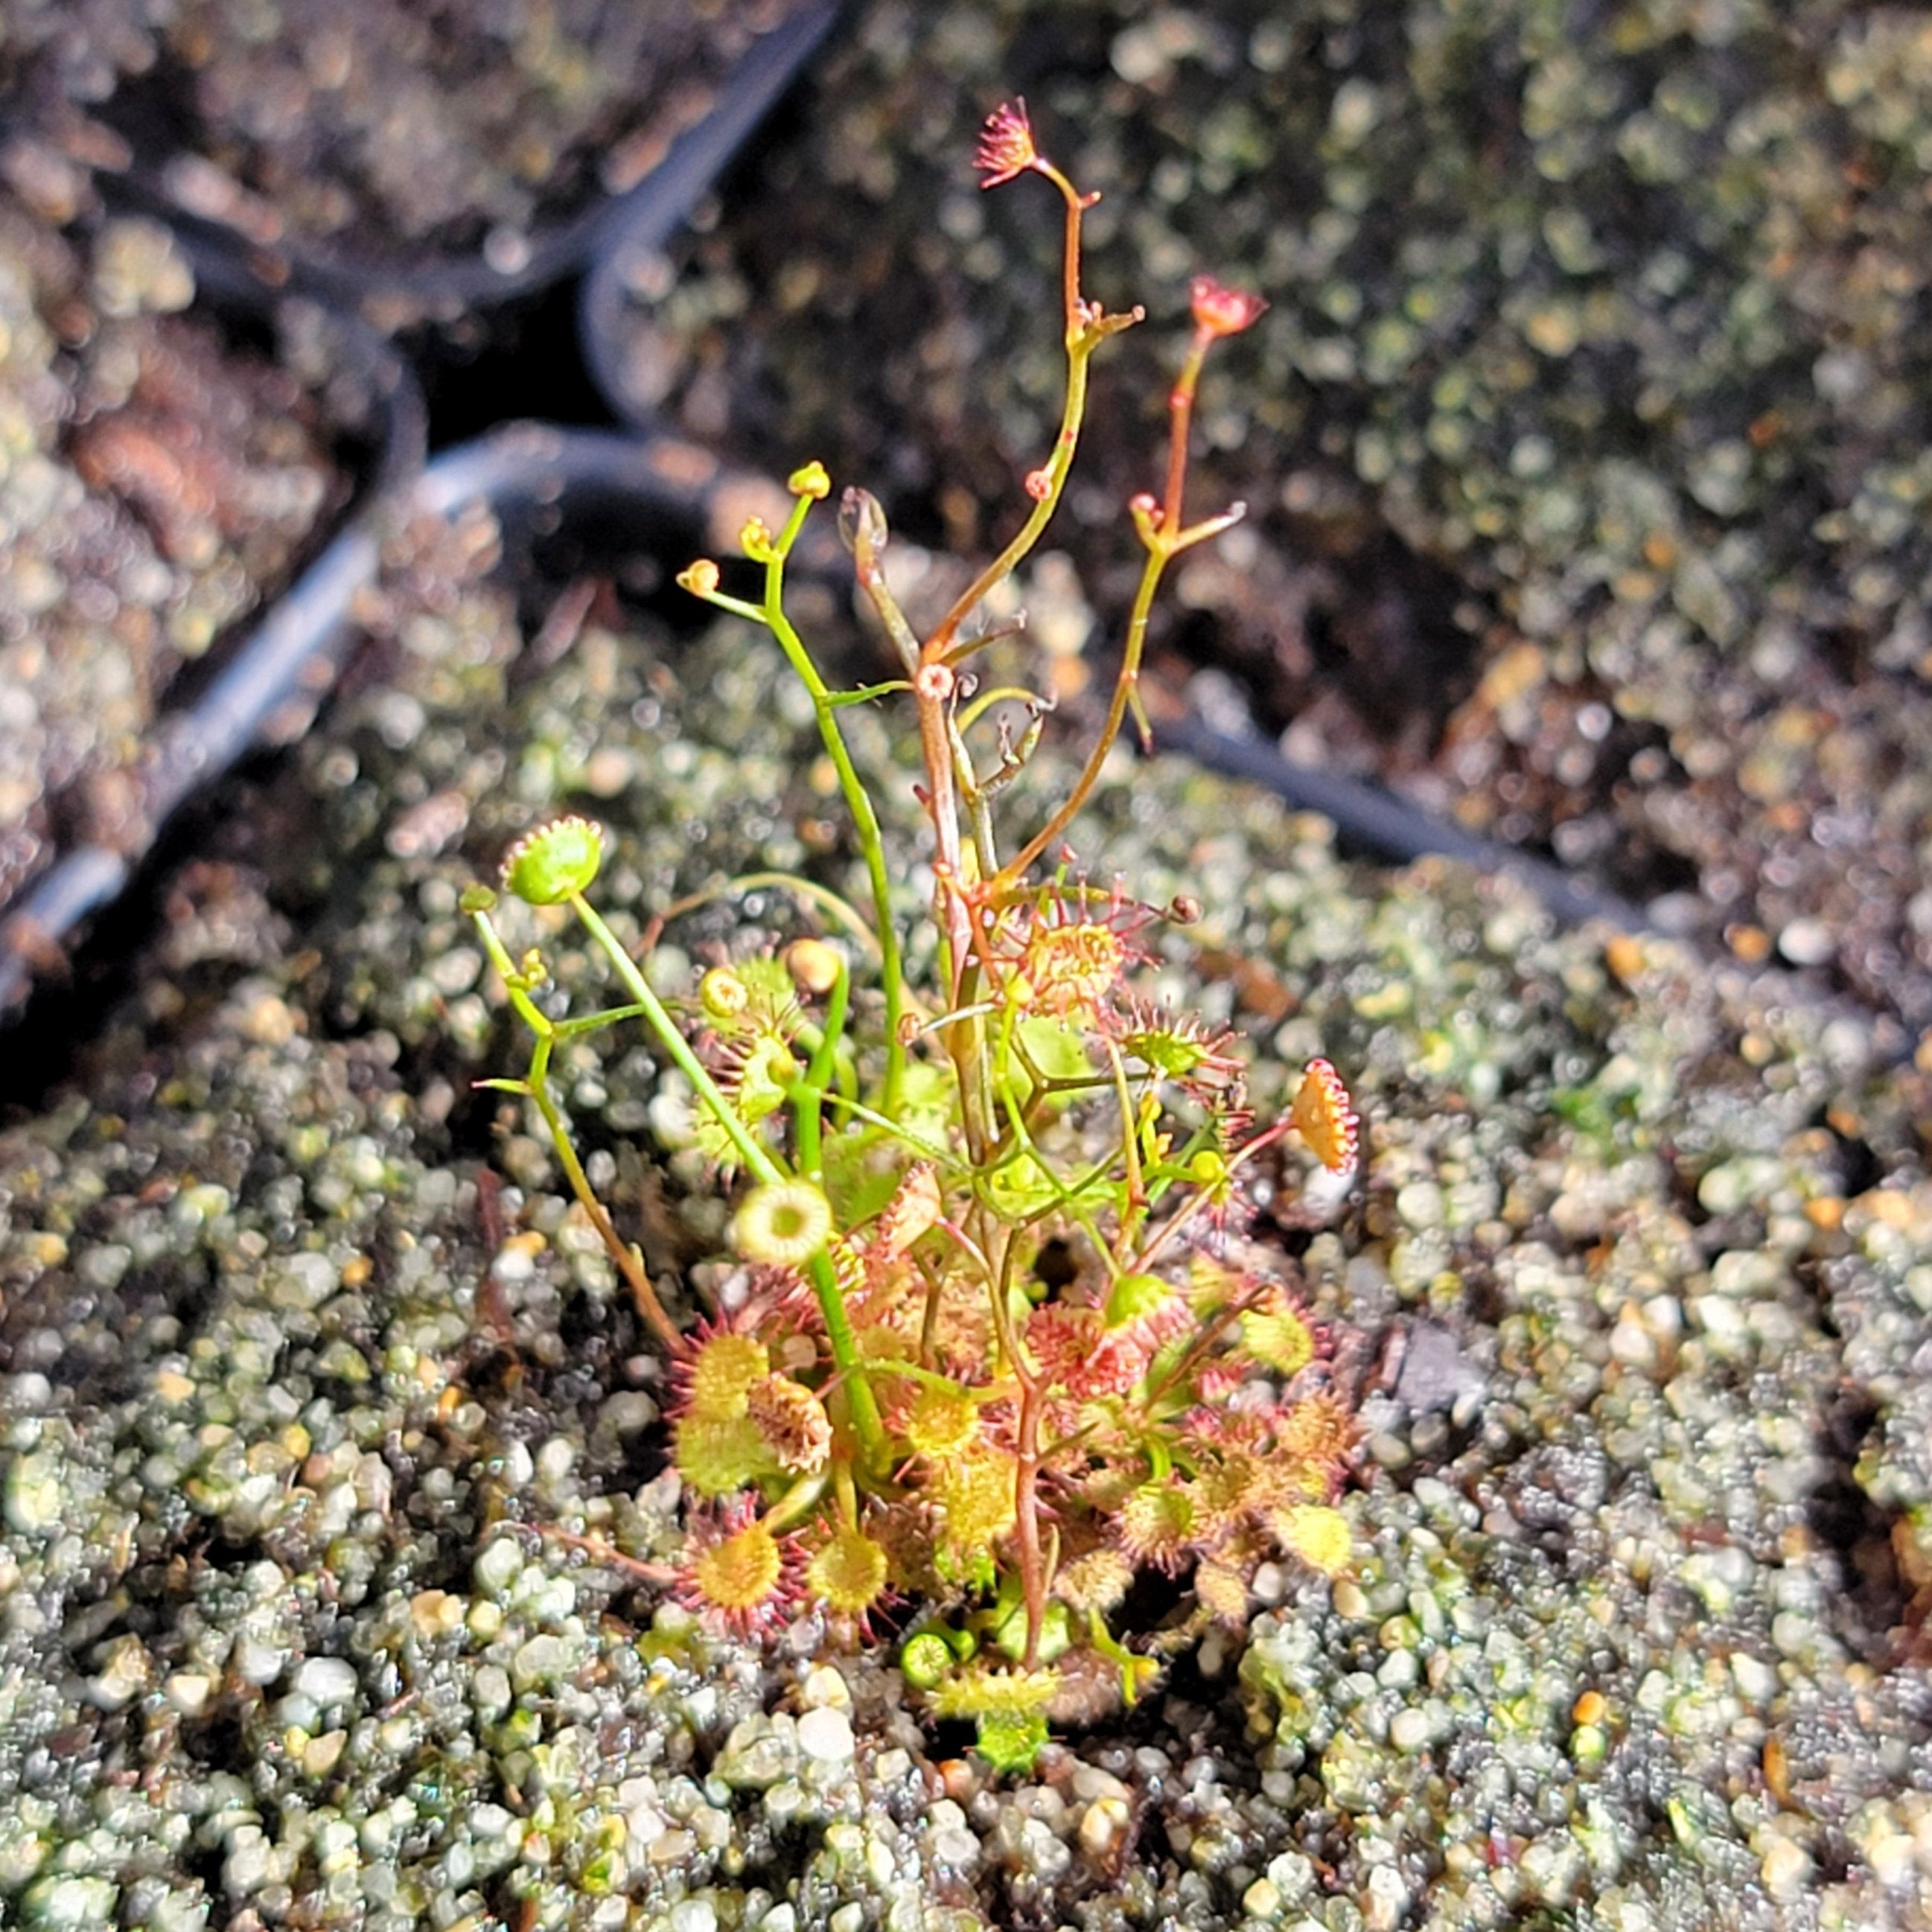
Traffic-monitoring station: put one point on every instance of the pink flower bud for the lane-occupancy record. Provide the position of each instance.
(1219, 310)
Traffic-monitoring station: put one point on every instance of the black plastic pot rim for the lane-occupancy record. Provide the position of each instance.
(636, 230)
(269, 679)
(664, 486)
(444, 287)
(1376, 821)
(275, 677)
(278, 675)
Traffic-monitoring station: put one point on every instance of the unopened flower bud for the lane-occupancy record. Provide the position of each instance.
(810, 480)
(754, 539)
(1221, 310)
(699, 578)
(860, 519)
(554, 862)
(815, 967)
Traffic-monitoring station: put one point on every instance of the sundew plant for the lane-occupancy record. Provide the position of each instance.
(989, 1360)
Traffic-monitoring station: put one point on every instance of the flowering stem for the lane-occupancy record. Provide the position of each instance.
(1084, 330)
(620, 1251)
(1079, 353)
(1125, 689)
(1164, 536)
(858, 801)
(1180, 419)
(926, 1150)
(864, 1406)
(1133, 1203)
(840, 911)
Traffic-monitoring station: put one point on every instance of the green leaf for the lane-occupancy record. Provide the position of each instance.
(1059, 1051)
(1011, 1746)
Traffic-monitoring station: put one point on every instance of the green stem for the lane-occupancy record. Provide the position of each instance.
(854, 1380)
(620, 1251)
(808, 1095)
(596, 1022)
(839, 910)
(1133, 1207)
(858, 801)
(536, 1087)
(756, 1160)
(801, 1497)
(925, 1149)
(1079, 353)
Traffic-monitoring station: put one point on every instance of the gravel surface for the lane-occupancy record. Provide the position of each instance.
(1582, 471)
(312, 1376)
(370, 132)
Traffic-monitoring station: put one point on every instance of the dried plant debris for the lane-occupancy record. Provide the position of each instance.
(1587, 478)
(156, 485)
(369, 131)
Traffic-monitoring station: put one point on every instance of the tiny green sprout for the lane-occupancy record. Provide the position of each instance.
(554, 862)
(924, 1659)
